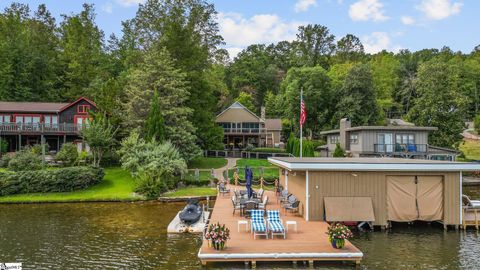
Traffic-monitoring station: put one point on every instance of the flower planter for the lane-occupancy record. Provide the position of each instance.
(338, 243)
(218, 246)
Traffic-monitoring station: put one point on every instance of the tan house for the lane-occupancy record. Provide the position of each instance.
(397, 139)
(376, 190)
(242, 127)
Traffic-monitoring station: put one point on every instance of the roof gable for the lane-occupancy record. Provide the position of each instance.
(76, 101)
(237, 113)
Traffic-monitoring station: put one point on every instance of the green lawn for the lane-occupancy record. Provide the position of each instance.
(471, 149)
(270, 171)
(207, 163)
(204, 175)
(252, 162)
(192, 191)
(117, 185)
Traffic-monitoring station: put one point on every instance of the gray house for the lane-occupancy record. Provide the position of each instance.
(397, 139)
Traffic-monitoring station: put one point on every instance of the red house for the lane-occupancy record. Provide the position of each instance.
(27, 123)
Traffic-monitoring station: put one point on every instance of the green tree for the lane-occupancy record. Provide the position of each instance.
(81, 43)
(385, 78)
(155, 125)
(157, 73)
(357, 98)
(99, 135)
(246, 100)
(315, 44)
(440, 103)
(349, 48)
(68, 154)
(316, 94)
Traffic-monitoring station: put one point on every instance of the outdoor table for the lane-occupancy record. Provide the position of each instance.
(242, 222)
(291, 222)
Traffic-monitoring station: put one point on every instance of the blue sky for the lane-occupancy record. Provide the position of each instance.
(380, 24)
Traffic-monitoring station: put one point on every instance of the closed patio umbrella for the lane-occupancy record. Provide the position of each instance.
(249, 177)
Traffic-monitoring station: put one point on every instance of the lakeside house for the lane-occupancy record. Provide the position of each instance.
(242, 127)
(375, 190)
(28, 123)
(397, 139)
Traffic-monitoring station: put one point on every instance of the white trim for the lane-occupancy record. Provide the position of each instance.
(236, 102)
(286, 179)
(329, 166)
(266, 256)
(460, 198)
(307, 197)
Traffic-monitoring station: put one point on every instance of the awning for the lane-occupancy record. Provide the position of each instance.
(349, 209)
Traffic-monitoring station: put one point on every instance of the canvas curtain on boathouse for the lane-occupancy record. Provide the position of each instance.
(412, 198)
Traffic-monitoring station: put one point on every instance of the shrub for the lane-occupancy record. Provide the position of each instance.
(68, 154)
(268, 150)
(37, 149)
(5, 160)
(61, 180)
(338, 151)
(25, 160)
(249, 147)
(476, 123)
(3, 146)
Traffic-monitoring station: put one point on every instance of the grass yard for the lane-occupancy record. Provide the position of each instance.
(118, 185)
(252, 162)
(471, 149)
(207, 163)
(255, 164)
(191, 191)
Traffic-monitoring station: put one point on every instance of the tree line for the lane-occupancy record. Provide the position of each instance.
(168, 75)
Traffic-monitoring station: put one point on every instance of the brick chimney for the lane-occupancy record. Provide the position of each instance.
(344, 124)
(262, 112)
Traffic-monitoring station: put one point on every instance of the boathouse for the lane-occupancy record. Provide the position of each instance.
(376, 190)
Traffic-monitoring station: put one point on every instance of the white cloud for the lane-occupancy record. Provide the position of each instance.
(239, 32)
(378, 41)
(439, 9)
(108, 7)
(366, 10)
(407, 20)
(304, 5)
(128, 3)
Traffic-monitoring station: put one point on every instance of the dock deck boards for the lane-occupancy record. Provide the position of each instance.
(310, 243)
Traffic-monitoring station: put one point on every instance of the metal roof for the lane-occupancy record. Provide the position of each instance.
(31, 106)
(408, 128)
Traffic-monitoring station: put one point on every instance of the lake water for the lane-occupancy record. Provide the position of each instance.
(133, 236)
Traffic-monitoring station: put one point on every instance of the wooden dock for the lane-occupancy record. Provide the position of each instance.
(310, 242)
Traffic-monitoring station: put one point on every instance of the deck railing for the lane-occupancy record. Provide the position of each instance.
(400, 148)
(243, 130)
(21, 128)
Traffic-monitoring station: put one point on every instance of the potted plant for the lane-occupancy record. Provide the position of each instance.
(217, 235)
(337, 234)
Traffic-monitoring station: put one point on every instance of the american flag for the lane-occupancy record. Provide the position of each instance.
(303, 111)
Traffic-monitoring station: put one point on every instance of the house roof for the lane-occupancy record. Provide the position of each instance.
(273, 124)
(359, 128)
(31, 106)
(371, 164)
(41, 107)
(238, 105)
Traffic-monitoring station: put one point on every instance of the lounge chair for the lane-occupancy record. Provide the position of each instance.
(470, 204)
(236, 205)
(222, 189)
(263, 204)
(293, 207)
(257, 222)
(275, 223)
(283, 196)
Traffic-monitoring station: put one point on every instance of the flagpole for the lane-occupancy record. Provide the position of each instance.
(301, 126)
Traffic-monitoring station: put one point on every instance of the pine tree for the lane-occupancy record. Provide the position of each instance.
(155, 126)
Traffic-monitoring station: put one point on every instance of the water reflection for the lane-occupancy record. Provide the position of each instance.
(133, 236)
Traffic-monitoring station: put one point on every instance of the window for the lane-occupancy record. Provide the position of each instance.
(334, 139)
(405, 139)
(83, 108)
(353, 138)
(225, 125)
(51, 120)
(4, 119)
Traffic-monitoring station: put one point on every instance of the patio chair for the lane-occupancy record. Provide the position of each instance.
(283, 196)
(293, 208)
(290, 200)
(275, 223)
(258, 225)
(263, 204)
(249, 207)
(222, 189)
(260, 193)
(470, 204)
(236, 205)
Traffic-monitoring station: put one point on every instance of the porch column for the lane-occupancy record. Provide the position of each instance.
(64, 138)
(19, 142)
(58, 143)
(286, 179)
(307, 197)
(42, 144)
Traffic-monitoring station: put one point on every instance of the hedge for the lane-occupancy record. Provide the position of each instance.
(61, 180)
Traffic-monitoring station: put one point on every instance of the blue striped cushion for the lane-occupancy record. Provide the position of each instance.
(256, 215)
(275, 226)
(258, 226)
(273, 215)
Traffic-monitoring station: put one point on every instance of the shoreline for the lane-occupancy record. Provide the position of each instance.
(140, 200)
